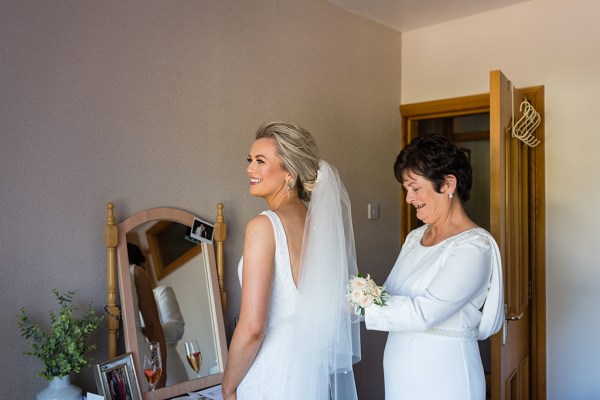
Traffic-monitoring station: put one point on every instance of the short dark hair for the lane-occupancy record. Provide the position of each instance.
(434, 157)
(135, 254)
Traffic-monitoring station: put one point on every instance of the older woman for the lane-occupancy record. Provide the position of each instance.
(446, 290)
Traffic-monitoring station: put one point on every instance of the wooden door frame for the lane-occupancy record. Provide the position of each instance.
(480, 103)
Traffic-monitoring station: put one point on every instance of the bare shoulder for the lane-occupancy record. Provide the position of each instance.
(260, 224)
(259, 235)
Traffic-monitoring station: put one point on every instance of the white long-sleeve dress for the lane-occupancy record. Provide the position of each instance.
(434, 314)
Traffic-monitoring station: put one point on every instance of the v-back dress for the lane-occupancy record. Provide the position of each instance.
(433, 317)
(266, 377)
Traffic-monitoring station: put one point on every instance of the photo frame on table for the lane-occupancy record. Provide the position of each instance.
(116, 379)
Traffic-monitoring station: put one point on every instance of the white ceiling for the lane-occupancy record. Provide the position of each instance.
(405, 15)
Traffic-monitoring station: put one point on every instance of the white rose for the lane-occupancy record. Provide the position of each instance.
(376, 291)
(365, 301)
(358, 283)
(356, 295)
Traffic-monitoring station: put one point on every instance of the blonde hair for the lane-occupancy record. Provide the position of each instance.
(298, 151)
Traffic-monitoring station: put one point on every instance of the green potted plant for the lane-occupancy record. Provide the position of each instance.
(62, 348)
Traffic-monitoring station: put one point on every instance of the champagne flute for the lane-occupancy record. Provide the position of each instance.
(152, 365)
(194, 356)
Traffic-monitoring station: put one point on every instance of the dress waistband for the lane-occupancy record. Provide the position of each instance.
(464, 334)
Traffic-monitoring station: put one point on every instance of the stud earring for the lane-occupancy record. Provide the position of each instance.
(451, 195)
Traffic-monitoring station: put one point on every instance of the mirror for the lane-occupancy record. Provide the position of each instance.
(187, 270)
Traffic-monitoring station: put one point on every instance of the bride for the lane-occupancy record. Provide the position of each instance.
(295, 338)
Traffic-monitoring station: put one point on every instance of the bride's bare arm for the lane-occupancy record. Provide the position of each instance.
(257, 281)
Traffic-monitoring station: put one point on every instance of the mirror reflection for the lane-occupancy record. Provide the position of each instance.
(180, 299)
(172, 301)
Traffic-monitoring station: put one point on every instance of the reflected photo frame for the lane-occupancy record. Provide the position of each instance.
(117, 379)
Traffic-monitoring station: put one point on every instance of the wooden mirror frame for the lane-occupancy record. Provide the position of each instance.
(114, 234)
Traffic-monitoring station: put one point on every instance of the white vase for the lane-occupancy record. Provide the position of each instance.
(60, 389)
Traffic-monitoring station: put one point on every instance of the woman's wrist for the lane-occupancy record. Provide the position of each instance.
(227, 388)
(228, 394)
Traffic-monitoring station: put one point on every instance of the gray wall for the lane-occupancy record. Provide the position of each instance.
(154, 103)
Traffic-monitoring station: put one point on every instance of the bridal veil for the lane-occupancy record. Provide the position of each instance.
(326, 334)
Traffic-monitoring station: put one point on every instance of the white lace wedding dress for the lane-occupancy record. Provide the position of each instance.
(266, 377)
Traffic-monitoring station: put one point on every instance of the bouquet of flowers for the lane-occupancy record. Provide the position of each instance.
(362, 292)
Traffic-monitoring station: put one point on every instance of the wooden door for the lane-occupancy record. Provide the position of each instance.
(518, 360)
(509, 226)
(515, 200)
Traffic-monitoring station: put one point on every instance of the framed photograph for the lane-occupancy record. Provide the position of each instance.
(116, 379)
(202, 231)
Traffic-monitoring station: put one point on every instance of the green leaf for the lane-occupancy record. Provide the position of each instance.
(62, 348)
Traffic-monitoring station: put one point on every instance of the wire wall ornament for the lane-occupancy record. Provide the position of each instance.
(524, 128)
